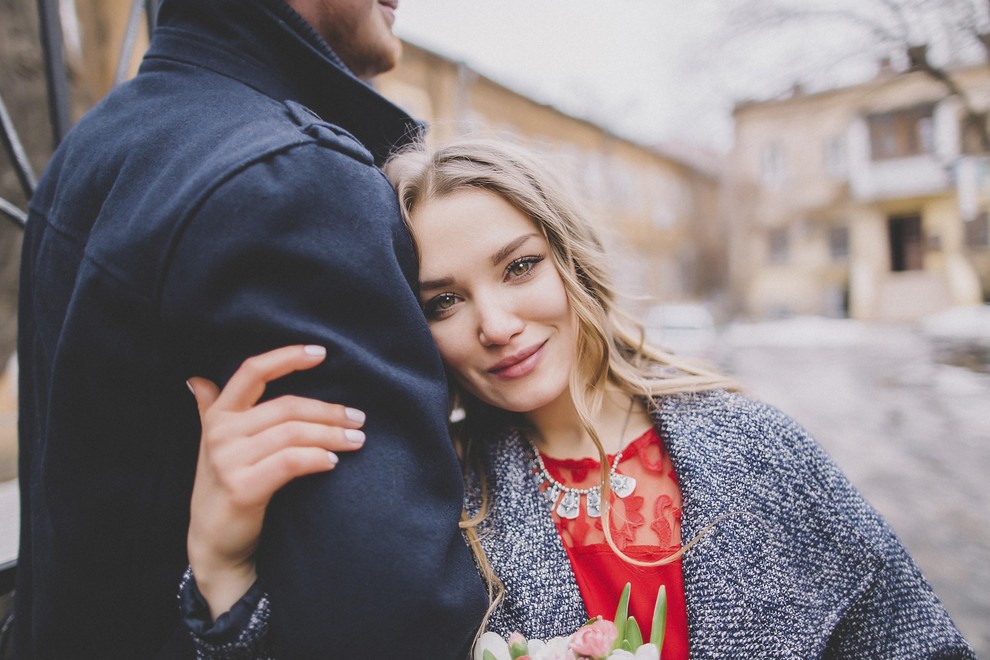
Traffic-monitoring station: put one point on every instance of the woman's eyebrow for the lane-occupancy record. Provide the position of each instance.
(441, 283)
(511, 247)
(497, 258)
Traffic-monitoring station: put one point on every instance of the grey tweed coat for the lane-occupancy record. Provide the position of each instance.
(802, 567)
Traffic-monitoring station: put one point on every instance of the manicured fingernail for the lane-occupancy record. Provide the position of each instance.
(332, 457)
(354, 436)
(315, 350)
(354, 415)
(189, 385)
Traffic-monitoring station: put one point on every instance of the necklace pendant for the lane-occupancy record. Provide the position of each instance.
(568, 507)
(622, 485)
(594, 503)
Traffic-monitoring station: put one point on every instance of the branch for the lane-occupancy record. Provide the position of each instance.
(975, 120)
(897, 12)
(756, 17)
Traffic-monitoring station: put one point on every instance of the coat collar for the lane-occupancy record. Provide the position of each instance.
(269, 47)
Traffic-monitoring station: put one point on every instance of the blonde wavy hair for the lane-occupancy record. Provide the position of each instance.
(610, 345)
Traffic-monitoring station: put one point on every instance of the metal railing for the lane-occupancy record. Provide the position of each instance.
(59, 93)
(22, 167)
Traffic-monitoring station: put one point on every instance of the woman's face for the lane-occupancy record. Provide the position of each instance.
(495, 304)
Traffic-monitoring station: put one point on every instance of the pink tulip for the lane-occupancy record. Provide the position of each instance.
(594, 640)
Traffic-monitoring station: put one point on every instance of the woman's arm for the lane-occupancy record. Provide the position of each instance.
(247, 452)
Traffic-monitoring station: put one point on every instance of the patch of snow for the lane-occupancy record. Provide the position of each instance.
(966, 323)
(798, 331)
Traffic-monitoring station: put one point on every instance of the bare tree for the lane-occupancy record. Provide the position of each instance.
(935, 37)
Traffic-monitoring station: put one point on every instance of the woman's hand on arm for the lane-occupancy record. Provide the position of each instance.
(247, 452)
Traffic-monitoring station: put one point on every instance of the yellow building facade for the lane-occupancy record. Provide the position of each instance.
(862, 201)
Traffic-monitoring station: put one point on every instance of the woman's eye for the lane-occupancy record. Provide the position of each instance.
(522, 267)
(437, 305)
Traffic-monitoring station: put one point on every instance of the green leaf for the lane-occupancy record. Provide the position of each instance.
(488, 655)
(626, 646)
(659, 628)
(519, 649)
(633, 634)
(621, 614)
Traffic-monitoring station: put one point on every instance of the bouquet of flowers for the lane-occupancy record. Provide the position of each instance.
(599, 639)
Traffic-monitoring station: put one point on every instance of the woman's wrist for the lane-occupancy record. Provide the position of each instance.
(223, 585)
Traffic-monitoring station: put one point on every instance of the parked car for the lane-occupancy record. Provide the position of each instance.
(686, 329)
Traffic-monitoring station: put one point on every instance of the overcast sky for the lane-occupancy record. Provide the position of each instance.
(623, 63)
(655, 70)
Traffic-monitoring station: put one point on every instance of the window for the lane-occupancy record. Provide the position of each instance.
(906, 246)
(772, 163)
(978, 231)
(971, 131)
(835, 156)
(624, 183)
(779, 246)
(838, 243)
(901, 133)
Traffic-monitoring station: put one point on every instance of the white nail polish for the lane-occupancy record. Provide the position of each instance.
(354, 436)
(332, 457)
(315, 350)
(354, 415)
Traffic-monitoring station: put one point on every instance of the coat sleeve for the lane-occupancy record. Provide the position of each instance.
(241, 633)
(898, 615)
(307, 246)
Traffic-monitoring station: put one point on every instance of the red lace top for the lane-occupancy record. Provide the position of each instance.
(646, 525)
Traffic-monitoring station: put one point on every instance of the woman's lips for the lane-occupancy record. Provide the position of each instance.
(520, 364)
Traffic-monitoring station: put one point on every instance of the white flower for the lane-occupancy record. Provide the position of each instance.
(494, 644)
(554, 649)
(644, 652)
(535, 647)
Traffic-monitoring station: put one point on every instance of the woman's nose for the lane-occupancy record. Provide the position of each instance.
(497, 324)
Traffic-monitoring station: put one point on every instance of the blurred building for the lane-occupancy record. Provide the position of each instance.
(658, 212)
(868, 201)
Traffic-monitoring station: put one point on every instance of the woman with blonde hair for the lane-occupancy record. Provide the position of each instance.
(588, 456)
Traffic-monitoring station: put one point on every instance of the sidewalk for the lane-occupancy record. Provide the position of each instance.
(9, 498)
(9, 521)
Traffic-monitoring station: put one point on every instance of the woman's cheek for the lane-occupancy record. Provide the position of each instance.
(444, 337)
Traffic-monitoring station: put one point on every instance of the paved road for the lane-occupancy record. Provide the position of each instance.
(913, 435)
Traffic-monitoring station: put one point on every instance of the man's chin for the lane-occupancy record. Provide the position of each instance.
(394, 57)
(381, 62)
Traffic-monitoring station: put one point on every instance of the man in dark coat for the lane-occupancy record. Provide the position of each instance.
(225, 202)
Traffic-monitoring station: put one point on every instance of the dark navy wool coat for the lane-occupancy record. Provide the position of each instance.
(226, 202)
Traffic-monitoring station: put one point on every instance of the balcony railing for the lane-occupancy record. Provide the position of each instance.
(912, 176)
